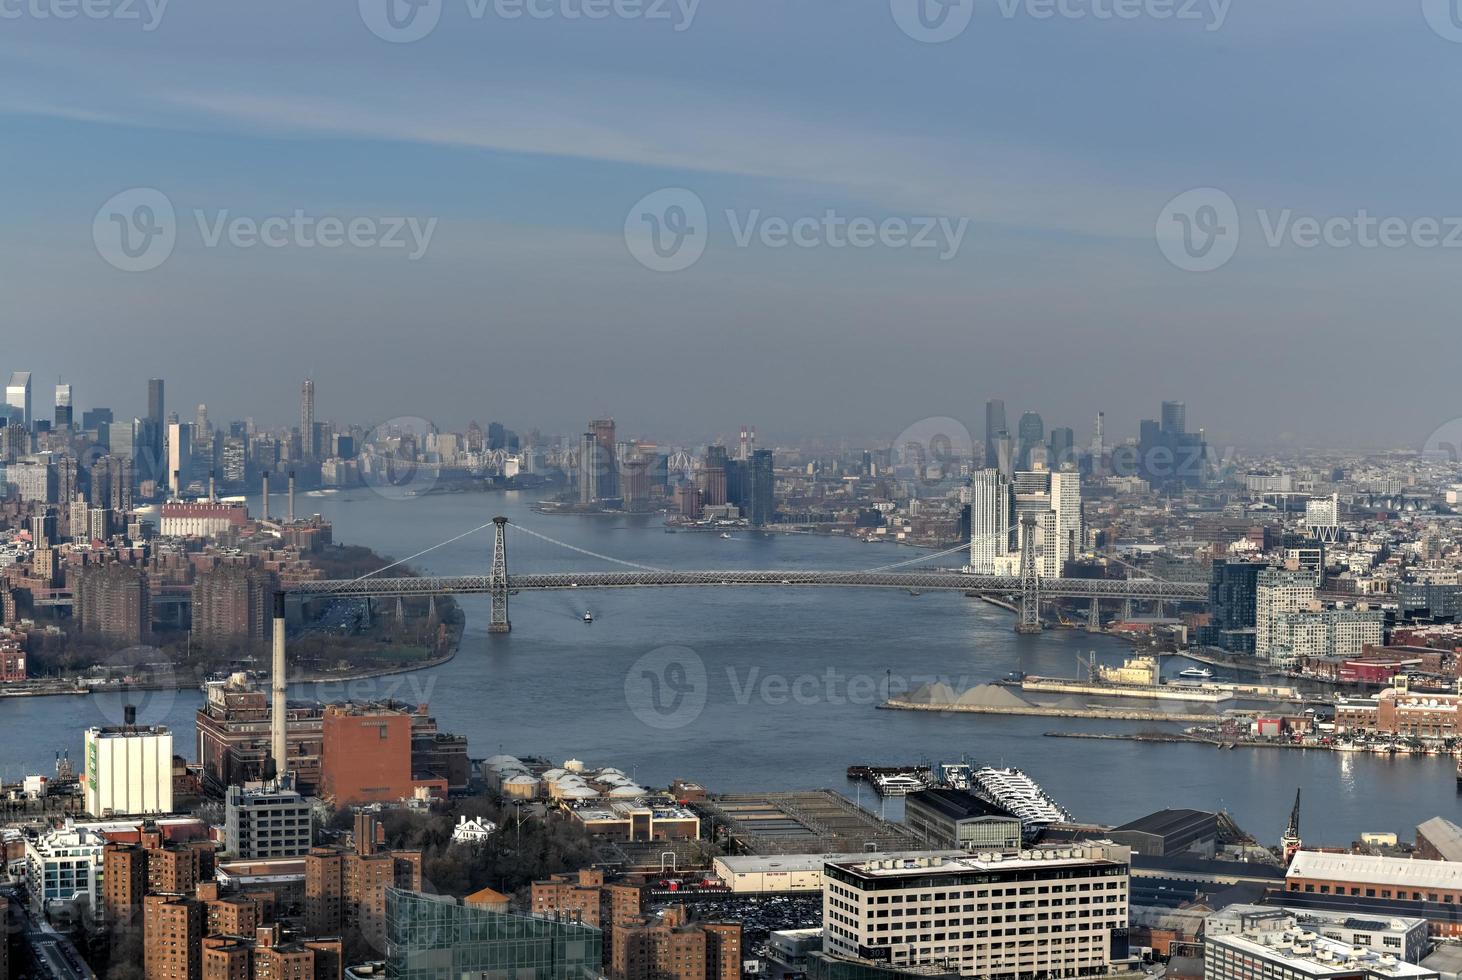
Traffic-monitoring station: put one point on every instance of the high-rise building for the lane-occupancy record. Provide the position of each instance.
(763, 488)
(180, 457)
(268, 821)
(1032, 433)
(1061, 448)
(115, 602)
(156, 407)
(307, 420)
(608, 476)
(345, 889)
(1278, 592)
(990, 528)
(17, 400)
(1054, 500)
(1174, 418)
(894, 911)
(995, 428)
(592, 460)
(1233, 594)
(63, 417)
(201, 426)
(366, 754)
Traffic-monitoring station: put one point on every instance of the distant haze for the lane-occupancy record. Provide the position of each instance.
(529, 140)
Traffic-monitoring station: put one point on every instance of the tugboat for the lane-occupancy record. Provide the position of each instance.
(588, 616)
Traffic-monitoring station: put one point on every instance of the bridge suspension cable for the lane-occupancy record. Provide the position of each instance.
(425, 551)
(921, 558)
(585, 551)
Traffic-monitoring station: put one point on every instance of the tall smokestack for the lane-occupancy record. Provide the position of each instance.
(266, 495)
(213, 486)
(291, 496)
(177, 484)
(277, 742)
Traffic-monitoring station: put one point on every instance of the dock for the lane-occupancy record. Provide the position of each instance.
(1148, 692)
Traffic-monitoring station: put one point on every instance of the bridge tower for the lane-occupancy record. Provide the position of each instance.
(1030, 582)
(1094, 615)
(499, 579)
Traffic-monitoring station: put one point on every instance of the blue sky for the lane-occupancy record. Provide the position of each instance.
(529, 140)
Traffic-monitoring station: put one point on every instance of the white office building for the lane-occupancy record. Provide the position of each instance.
(63, 867)
(1299, 952)
(1059, 912)
(17, 400)
(1054, 501)
(1280, 591)
(990, 532)
(129, 770)
(266, 821)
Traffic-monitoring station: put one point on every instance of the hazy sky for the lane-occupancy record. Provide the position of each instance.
(529, 140)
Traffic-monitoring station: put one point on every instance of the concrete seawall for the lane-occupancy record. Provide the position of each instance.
(1053, 711)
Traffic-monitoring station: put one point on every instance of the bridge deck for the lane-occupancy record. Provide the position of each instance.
(935, 580)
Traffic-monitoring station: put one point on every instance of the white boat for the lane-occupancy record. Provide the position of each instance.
(588, 617)
(725, 535)
(1202, 673)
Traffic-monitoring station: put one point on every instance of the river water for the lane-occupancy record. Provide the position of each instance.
(764, 689)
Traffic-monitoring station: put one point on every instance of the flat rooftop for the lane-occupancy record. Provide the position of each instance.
(1371, 869)
(923, 864)
(958, 804)
(1309, 952)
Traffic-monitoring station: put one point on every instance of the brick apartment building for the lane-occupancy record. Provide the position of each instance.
(233, 602)
(114, 602)
(132, 871)
(345, 889)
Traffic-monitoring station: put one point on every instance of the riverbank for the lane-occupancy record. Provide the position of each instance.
(1046, 711)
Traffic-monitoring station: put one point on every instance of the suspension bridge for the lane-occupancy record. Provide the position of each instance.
(500, 584)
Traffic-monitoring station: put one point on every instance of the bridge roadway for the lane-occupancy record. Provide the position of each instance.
(933, 579)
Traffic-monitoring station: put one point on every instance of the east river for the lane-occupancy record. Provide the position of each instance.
(748, 689)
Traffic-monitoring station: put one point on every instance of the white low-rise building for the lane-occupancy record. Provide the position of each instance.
(129, 770)
(473, 831)
(64, 867)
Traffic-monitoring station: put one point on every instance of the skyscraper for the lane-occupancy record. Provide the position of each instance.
(608, 476)
(989, 521)
(763, 488)
(1061, 448)
(590, 465)
(155, 405)
(180, 456)
(63, 415)
(17, 400)
(307, 420)
(1174, 418)
(1032, 433)
(995, 427)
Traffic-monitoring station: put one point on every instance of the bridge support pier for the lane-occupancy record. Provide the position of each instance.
(499, 579)
(1030, 582)
(1126, 609)
(279, 682)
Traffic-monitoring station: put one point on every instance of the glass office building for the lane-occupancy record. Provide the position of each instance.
(431, 937)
